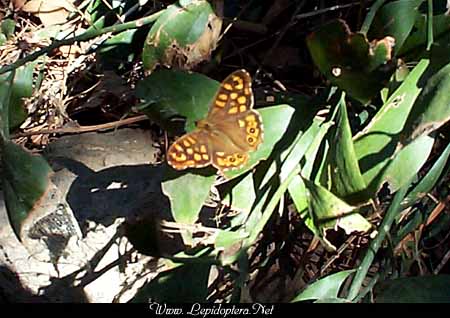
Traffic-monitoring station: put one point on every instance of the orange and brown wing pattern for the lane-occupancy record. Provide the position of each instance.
(233, 97)
(228, 161)
(190, 150)
(231, 130)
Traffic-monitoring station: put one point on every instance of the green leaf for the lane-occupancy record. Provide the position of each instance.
(183, 36)
(301, 133)
(429, 180)
(312, 139)
(5, 100)
(297, 191)
(21, 87)
(240, 194)
(377, 143)
(423, 289)
(395, 19)
(432, 108)
(26, 179)
(187, 193)
(329, 212)
(342, 164)
(416, 42)
(170, 93)
(225, 239)
(184, 284)
(8, 27)
(325, 288)
(349, 61)
(407, 162)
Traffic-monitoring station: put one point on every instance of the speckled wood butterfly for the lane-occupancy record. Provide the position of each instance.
(228, 133)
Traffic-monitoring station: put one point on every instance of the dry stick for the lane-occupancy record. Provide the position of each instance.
(321, 11)
(92, 33)
(296, 18)
(283, 32)
(232, 21)
(341, 249)
(83, 129)
(442, 263)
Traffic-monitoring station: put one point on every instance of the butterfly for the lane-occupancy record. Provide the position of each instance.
(229, 132)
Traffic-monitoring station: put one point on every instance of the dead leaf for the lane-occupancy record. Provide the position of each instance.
(50, 12)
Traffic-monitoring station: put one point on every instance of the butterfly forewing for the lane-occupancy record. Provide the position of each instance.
(233, 97)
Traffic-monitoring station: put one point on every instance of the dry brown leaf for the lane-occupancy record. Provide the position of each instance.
(50, 12)
(18, 4)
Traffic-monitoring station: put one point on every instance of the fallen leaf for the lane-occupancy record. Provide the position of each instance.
(50, 12)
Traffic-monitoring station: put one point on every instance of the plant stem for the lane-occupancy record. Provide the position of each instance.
(376, 243)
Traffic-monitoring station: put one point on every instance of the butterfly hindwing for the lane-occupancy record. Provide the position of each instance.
(191, 150)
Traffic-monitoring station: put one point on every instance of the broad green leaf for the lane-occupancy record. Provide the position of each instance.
(303, 130)
(183, 36)
(297, 188)
(184, 284)
(325, 288)
(187, 192)
(395, 19)
(342, 166)
(416, 41)
(349, 61)
(429, 180)
(225, 239)
(407, 162)
(311, 138)
(329, 212)
(25, 182)
(240, 194)
(297, 191)
(432, 108)
(274, 175)
(422, 289)
(377, 143)
(171, 93)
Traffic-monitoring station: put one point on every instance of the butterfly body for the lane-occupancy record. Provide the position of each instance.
(230, 131)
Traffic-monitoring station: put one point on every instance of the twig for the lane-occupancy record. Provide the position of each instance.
(83, 129)
(283, 32)
(321, 11)
(442, 263)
